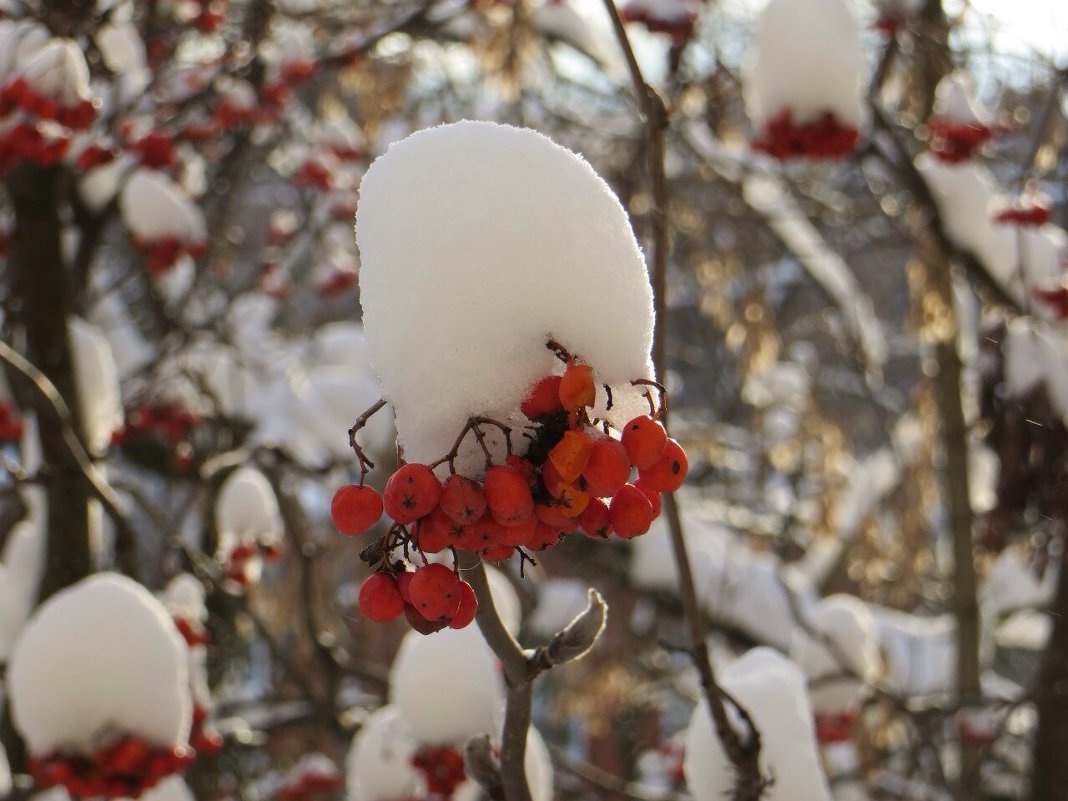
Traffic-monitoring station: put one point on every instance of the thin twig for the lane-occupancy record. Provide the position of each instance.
(744, 754)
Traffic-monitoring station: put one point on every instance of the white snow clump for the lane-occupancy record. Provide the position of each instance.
(479, 242)
(98, 657)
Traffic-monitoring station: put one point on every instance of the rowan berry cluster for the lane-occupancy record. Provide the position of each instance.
(125, 768)
(679, 25)
(39, 128)
(954, 142)
(443, 771)
(11, 425)
(825, 137)
(160, 425)
(576, 475)
(1024, 216)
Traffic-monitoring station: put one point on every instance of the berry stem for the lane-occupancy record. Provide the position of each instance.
(474, 424)
(366, 465)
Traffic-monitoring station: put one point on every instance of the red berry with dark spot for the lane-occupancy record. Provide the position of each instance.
(608, 468)
(544, 537)
(644, 440)
(507, 495)
(354, 509)
(669, 471)
(411, 492)
(630, 512)
(594, 520)
(435, 591)
(553, 515)
(420, 623)
(486, 533)
(380, 598)
(462, 499)
(465, 612)
(435, 532)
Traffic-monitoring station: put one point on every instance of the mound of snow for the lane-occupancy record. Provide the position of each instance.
(772, 690)
(20, 575)
(447, 685)
(805, 56)
(842, 657)
(97, 377)
(378, 766)
(479, 242)
(247, 509)
(99, 657)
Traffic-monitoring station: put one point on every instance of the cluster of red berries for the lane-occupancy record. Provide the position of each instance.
(162, 253)
(336, 283)
(575, 476)
(679, 25)
(125, 768)
(208, 14)
(954, 142)
(889, 24)
(307, 784)
(163, 424)
(835, 727)
(11, 425)
(443, 771)
(1056, 298)
(193, 631)
(290, 74)
(204, 738)
(822, 138)
(1025, 216)
(42, 134)
(238, 563)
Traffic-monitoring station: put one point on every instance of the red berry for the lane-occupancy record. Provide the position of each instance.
(669, 471)
(465, 612)
(511, 536)
(576, 387)
(435, 532)
(380, 599)
(644, 439)
(570, 454)
(607, 469)
(420, 623)
(411, 492)
(507, 495)
(498, 553)
(544, 537)
(435, 591)
(354, 509)
(404, 583)
(462, 500)
(543, 398)
(630, 512)
(572, 502)
(594, 520)
(552, 515)
(486, 533)
(652, 495)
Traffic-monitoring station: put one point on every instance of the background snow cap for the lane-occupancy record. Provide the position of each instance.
(805, 56)
(100, 656)
(772, 689)
(478, 242)
(247, 509)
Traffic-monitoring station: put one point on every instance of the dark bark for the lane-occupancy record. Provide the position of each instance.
(42, 309)
(1050, 772)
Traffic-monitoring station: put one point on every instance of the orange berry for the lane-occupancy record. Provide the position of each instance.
(669, 471)
(652, 495)
(644, 439)
(552, 515)
(572, 502)
(570, 455)
(577, 388)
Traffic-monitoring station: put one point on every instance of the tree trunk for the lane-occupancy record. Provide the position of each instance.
(43, 308)
(1050, 771)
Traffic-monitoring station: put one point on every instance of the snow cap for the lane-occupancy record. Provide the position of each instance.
(101, 656)
(479, 242)
(772, 690)
(805, 56)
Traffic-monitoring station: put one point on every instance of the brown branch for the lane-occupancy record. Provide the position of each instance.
(744, 753)
(52, 401)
